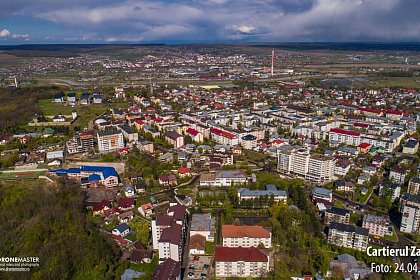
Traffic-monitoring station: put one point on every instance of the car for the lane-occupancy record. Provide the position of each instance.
(190, 275)
(196, 258)
(191, 267)
(206, 266)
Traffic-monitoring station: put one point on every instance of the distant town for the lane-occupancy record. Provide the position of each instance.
(227, 163)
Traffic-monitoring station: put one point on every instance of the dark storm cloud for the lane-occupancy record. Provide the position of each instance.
(218, 20)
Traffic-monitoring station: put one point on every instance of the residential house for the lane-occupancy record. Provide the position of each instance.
(146, 210)
(197, 244)
(322, 194)
(121, 230)
(204, 225)
(175, 139)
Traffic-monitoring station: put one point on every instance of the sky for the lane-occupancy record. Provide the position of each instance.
(208, 21)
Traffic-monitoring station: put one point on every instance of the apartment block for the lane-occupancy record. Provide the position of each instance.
(376, 225)
(110, 141)
(245, 236)
(240, 262)
(348, 236)
(410, 209)
(338, 215)
(316, 168)
(414, 186)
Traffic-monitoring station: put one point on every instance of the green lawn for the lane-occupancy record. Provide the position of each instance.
(254, 156)
(147, 268)
(50, 108)
(209, 248)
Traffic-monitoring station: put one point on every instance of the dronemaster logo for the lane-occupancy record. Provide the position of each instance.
(18, 263)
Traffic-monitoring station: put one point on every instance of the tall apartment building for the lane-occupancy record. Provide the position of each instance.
(410, 209)
(168, 233)
(81, 142)
(245, 236)
(376, 225)
(109, 141)
(414, 186)
(240, 262)
(338, 215)
(348, 236)
(316, 168)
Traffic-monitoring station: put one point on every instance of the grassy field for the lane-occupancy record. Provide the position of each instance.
(394, 82)
(147, 268)
(48, 107)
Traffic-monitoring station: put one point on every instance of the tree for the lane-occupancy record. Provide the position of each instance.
(141, 228)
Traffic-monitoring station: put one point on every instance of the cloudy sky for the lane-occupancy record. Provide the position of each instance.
(171, 21)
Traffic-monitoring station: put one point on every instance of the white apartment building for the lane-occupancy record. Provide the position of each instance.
(223, 178)
(240, 262)
(110, 141)
(376, 225)
(410, 209)
(245, 236)
(316, 168)
(224, 137)
(414, 186)
(348, 137)
(348, 236)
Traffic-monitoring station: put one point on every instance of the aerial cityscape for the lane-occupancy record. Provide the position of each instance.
(193, 148)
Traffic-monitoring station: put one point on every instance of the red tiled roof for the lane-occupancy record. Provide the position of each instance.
(126, 202)
(242, 231)
(197, 241)
(370, 110)
(394, 112)
(85, 133)
(192, 131)
(343, 131)
(183, 170)
(228, 254)
(222, 133)
(140, 122)
(364, 145)
(359, 124)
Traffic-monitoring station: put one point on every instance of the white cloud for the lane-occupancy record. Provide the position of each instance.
(194, 20)
(245, 28)
(5, 33)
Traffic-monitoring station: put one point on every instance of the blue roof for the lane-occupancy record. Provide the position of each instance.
(71, 94)
(321, 192)
(122, 227)
(74, 170)
(106, 171)
(59, 95)
(94, 177)
(248, 192)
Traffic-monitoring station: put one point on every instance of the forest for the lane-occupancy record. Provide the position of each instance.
(19, 105)
(48, 221)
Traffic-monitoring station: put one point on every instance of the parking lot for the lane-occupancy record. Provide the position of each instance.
(198, 267)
